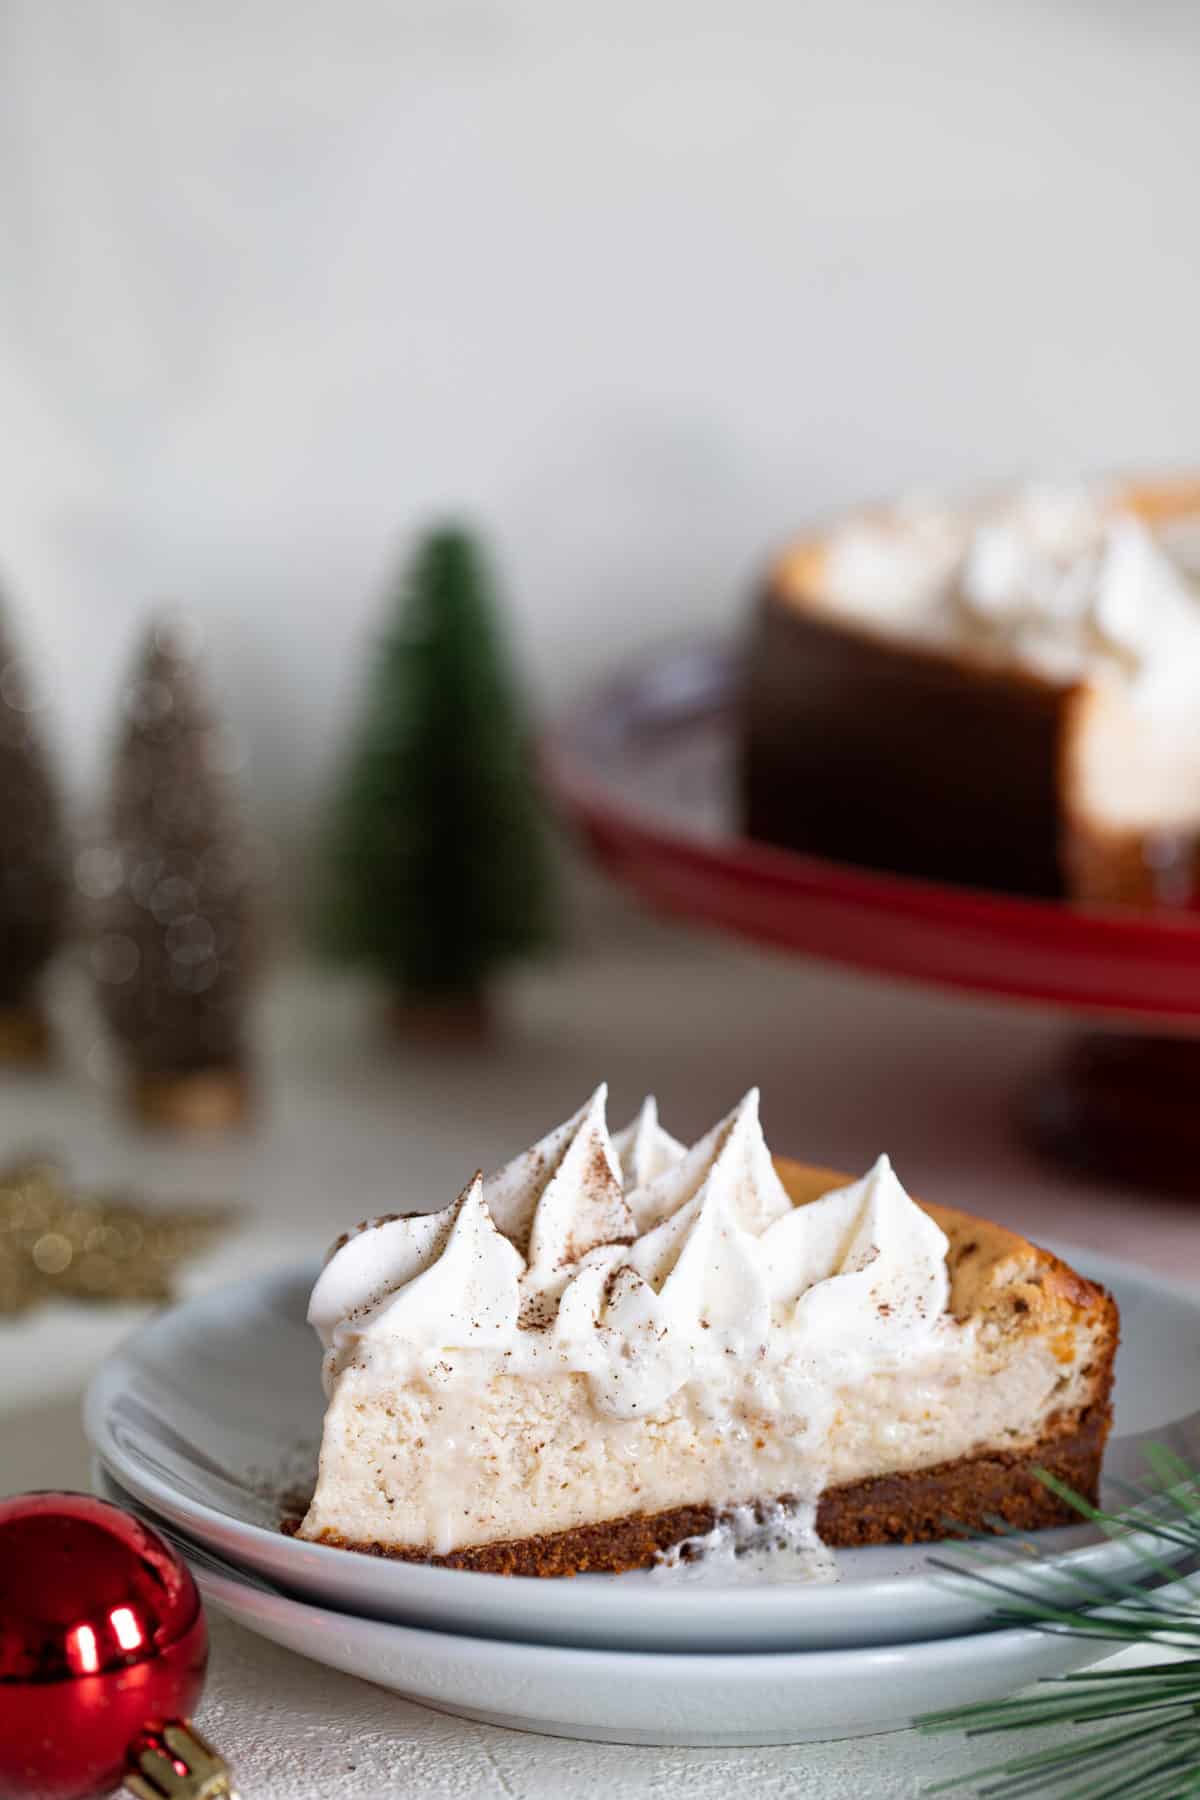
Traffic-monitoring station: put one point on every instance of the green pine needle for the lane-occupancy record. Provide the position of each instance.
(1147, 1746)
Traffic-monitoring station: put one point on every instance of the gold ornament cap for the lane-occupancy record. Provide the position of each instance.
(173, 1762)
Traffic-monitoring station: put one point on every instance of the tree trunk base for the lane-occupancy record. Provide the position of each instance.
(25, 1038)
(203, 1101)
(459, 1020)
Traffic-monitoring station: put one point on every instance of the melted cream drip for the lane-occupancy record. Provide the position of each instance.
(749, 1545)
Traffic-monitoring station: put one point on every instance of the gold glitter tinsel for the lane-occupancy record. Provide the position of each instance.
(58, 1244)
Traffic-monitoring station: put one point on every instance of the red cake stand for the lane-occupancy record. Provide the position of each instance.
(646, 769)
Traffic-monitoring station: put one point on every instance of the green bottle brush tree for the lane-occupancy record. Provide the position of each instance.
(438, 862)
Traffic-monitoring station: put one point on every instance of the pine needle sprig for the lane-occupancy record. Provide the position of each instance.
(1147, 1745)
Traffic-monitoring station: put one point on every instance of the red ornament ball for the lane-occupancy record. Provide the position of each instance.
(101, 1634)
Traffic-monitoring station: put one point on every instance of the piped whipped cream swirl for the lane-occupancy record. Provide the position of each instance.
(644, 1267)
(1061, 580)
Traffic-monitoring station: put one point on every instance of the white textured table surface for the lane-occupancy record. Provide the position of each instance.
(353, 1126)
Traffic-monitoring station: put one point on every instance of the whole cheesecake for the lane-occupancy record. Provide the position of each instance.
(618, 1348)
(1004, 694)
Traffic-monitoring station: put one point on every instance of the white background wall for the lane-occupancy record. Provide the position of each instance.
(641, 284)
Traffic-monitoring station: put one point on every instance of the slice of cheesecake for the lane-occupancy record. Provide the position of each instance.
(574, 1369)
(1004, 694)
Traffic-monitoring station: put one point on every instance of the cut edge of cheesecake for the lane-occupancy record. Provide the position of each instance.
(996, 1276)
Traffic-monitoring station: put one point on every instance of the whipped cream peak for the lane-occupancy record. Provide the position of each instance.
(711, 1277)
(560, 1199)
(862, 1269)
(1115, 592)
(887, 563)
(565, 1196)
(644, 1150)
(371, 1261)
(466, 1293)
(1056, 519)
(1142, 600)
(733, 1158)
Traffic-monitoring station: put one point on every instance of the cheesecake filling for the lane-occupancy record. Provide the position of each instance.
(612, 1325)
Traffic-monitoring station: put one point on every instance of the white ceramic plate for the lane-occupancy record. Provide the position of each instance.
(629, 1697)
(214, 1407)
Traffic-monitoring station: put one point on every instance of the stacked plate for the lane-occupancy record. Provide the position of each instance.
(208, 1421)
